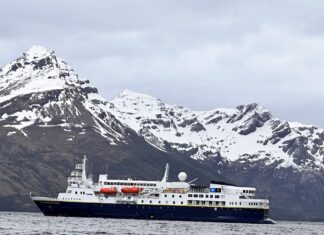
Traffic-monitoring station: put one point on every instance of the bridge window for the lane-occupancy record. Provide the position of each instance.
(200, 195)
(189, 195)
(195, 195)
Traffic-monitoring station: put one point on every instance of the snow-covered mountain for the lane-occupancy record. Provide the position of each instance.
(245, 133)
(49, 118)
(52, 95)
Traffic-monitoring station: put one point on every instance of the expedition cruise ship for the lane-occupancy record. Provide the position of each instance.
(160, 200)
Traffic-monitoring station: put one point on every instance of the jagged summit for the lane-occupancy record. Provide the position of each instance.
(38, 70)
(129, 94)
(37, 51)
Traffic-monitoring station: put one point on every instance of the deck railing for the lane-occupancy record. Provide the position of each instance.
(203, 190)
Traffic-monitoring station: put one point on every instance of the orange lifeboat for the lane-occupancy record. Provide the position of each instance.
(111, 190)
(131, 190)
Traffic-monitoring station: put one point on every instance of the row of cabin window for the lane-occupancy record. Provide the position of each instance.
(253, 203)
(166, 202)
(202, 195)
(64, 198)
(248, 191)
(129, 184)
(210, 203)
(76, 192)
(166, 195)
(235, 203)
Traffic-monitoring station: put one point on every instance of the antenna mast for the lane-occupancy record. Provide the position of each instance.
(166, 173)
(84, 175)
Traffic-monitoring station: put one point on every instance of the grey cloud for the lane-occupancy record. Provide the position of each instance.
(201, 54)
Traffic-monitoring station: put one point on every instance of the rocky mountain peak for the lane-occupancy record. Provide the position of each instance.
(251, 117)
(136, 96)
(36, 52)
(252, 109)
(37, 70)
(40, 89)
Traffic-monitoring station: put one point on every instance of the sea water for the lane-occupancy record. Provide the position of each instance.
(36, 223)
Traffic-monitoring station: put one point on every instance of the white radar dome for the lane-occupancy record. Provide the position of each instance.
(182, 176)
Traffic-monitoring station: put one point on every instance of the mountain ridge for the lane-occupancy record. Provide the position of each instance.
(151, 117)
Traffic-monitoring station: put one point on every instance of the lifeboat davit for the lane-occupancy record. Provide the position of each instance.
(131, 190)
(111, 190)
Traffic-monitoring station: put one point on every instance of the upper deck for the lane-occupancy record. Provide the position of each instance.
(163, 192)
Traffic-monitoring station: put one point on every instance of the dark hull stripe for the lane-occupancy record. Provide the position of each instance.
(132, 211)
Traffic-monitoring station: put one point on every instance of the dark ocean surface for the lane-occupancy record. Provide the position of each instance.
(36, 223)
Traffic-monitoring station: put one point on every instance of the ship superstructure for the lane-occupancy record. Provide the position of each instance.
(142, 199)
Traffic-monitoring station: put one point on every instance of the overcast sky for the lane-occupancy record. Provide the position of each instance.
(200, 54)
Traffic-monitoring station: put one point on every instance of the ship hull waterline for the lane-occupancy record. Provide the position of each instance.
(153, 212)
